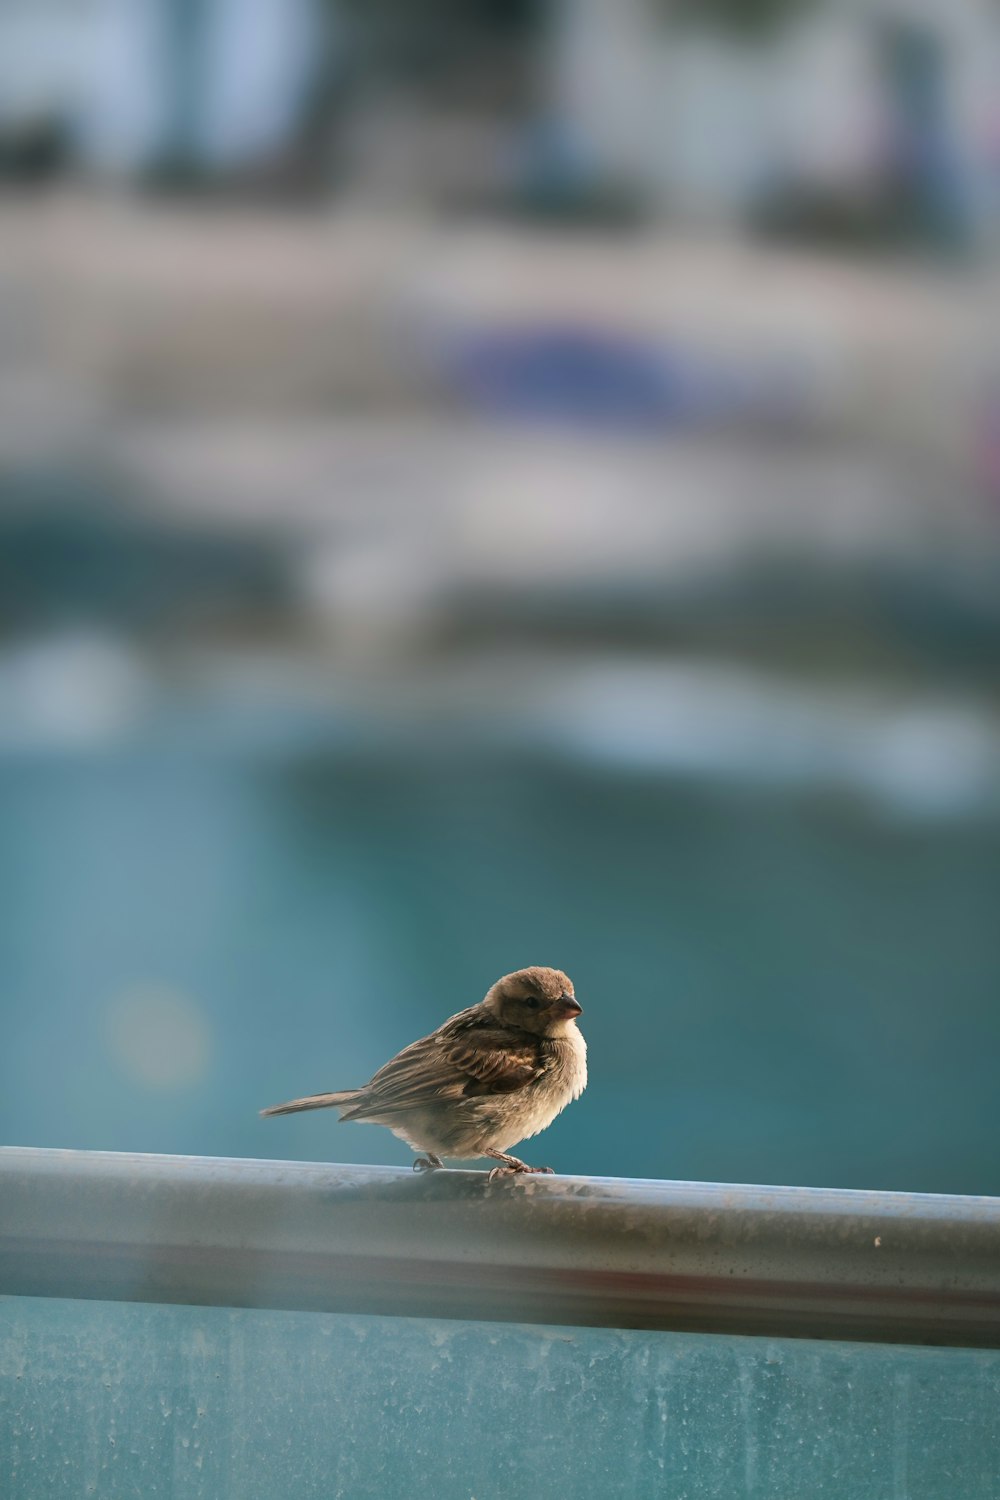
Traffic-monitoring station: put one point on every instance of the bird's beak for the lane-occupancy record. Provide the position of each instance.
(570, 1007)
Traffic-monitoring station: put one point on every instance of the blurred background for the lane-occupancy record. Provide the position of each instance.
(498, 482)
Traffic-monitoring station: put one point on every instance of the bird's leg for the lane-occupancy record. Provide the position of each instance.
(511, 1165)
(427, 1163)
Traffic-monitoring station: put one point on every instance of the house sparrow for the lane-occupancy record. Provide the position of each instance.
(487, 1078)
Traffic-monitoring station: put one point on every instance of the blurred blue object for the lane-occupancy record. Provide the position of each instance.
(578, 373)
(592, 377)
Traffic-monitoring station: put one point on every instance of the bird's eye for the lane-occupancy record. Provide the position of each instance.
(532, 1002)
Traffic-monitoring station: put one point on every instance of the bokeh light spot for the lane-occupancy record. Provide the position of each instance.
(159, 1037)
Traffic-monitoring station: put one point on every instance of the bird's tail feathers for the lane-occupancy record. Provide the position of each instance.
(313, 1101)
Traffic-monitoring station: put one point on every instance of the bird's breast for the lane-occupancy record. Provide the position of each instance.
(567, 1070)
(565, 1076)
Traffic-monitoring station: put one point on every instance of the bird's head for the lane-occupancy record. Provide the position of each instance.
(539, 1000)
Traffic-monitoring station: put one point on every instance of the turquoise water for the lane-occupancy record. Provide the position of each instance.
(778, 986)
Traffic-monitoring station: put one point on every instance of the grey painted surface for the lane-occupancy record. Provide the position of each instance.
(113, 1399)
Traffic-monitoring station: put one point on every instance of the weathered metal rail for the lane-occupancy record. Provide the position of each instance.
(703, 1257)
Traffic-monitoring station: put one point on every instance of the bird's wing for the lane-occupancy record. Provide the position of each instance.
(493, 1063)
(469, 1055)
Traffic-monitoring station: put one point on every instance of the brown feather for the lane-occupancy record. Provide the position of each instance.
(312, 1101)
(469, 1055)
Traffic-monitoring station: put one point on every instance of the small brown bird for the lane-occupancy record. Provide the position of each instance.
(487, 1078)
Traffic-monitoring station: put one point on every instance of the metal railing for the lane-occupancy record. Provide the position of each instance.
(701, 1257)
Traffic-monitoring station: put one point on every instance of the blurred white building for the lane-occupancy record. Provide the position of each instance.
(134, 82)
(707, 119)
(696, 117)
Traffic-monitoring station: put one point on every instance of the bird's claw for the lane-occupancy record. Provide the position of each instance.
(428, 1163)
(518, 1171)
